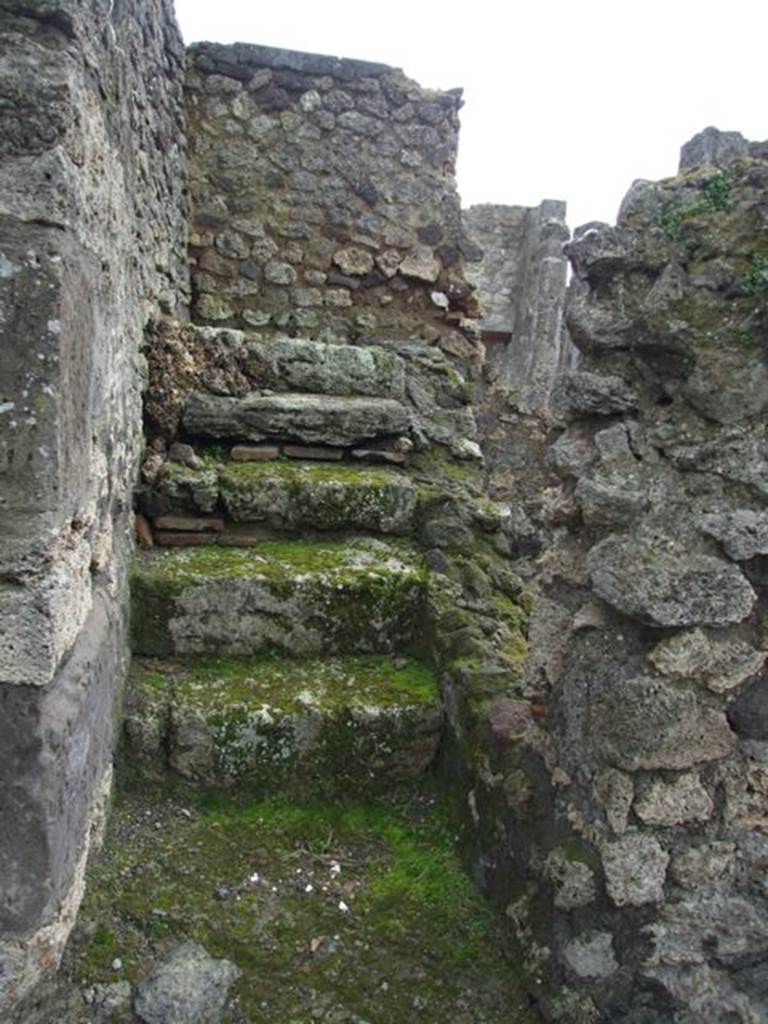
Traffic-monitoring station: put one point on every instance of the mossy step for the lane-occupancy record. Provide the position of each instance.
(289, 495)
(358, 596)
(327, 726)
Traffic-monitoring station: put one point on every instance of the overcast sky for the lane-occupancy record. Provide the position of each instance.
(563, 99)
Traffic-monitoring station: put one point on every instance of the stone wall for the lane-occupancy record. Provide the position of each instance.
(520, 281)
(92, 235)
(631, 795)
(324, 201)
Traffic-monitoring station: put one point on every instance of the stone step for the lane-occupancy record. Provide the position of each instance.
(314, 419)
(362, 595)
(297, 364)
(330, 726)
(287, 495)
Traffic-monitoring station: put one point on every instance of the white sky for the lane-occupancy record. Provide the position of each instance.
(564, 99)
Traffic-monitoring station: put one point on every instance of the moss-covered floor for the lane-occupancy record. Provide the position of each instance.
(343, 914)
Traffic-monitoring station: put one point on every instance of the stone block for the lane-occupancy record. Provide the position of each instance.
(635, 870)
(684, 801)
(290, 497)
(297, 597)
(667, 585)
(645, 724)
(325, 419)
(57, 742)
(591, 955)
(327, 726)
(297, 364)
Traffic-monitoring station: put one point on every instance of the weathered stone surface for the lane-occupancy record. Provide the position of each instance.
(709, 924)
(681, 802)
(666, 585)
(718, 663)
(179, 490)
(614, 791)
(421, 264)
(746, 795)
(635, 870)
(353, 260)
(335, 726)
(300, 598)
(592, 394)
(294, 364)
(92, 244)
(645, 724)
(670, 678)
(519, 270)
(611, 499)
(187, 987)
(714, 147)
(313, 418)
(574, 882)
(339, 498)
(591, 955)
(704, 993)
(58, 754)
(743, 533)
(705, 864)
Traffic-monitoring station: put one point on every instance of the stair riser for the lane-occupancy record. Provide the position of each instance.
(300, 616)
(347, 752)
(285, 499)
(324, 506)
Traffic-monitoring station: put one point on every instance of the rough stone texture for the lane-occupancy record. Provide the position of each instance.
(635, 870)
(323, 199)
(303, 600)
(667, 585)
(591, 394)
(642, 723)
(92, 244)
(187, 987)
(378, 500)
(718, 148)
(329, 727)
(218, 363)
(683, 801)
(521, 278)
(743, 533)
(705, 864)
(591, 955)
(645, 672)
(321, 419)
(718, 663)
(574, 882)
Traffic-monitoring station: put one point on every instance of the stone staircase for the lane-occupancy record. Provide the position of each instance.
(281, 586)
(318, 581)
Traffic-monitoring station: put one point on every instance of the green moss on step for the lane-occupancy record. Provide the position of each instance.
(336, 725)
(275, 679)
(303, 598)
(291, 495)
